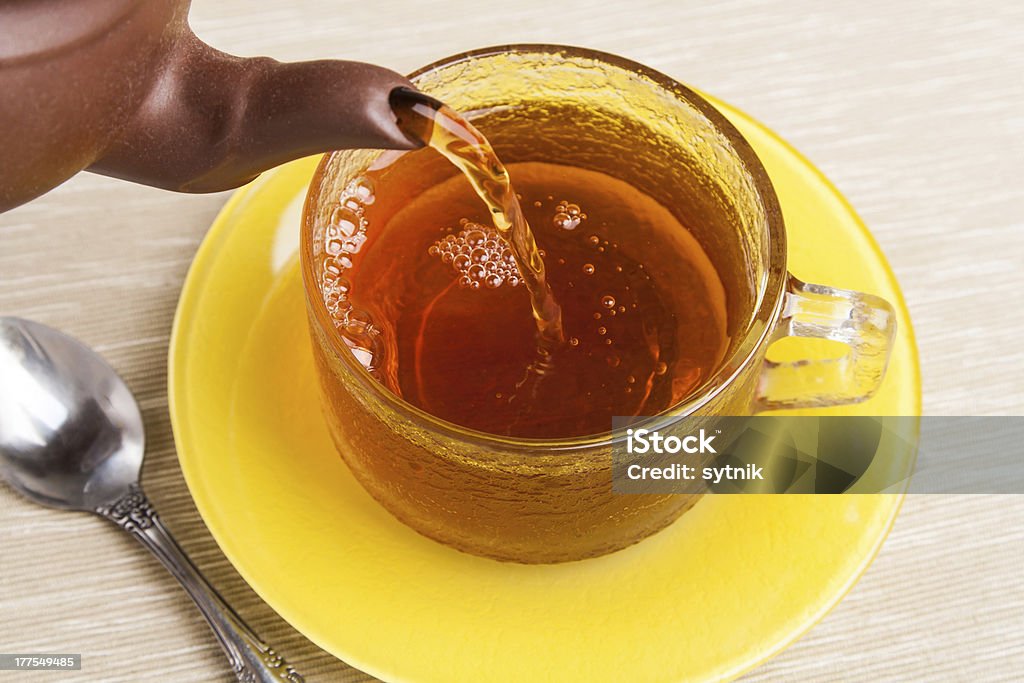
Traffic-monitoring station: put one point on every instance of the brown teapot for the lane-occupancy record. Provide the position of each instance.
(124, 88)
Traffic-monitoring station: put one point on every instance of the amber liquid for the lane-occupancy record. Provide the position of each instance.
(564, 298)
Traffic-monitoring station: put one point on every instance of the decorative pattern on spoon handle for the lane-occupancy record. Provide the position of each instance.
(252, 660)
(132, 511)
(272, 661)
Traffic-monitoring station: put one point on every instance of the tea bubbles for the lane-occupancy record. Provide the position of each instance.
(343, 237)
(479, 257)
(568, 216)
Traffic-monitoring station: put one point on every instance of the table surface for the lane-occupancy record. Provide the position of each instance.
(912, 110)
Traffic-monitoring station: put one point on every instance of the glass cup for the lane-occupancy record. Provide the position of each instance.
(539, 501)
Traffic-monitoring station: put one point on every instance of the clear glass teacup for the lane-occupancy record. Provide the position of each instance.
(537, 501)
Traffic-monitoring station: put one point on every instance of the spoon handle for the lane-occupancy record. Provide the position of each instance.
(252, 660)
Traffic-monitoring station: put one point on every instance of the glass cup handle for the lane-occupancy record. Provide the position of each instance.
(864, 322)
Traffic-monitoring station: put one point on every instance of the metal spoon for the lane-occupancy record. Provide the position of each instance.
(71, 437)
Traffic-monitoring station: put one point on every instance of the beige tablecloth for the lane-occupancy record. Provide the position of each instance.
(913, 109)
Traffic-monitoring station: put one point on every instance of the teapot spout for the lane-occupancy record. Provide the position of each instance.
(212, 121)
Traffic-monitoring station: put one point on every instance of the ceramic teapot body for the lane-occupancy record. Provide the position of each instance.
(124, 88)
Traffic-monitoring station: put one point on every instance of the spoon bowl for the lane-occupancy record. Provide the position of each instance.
(71, 433)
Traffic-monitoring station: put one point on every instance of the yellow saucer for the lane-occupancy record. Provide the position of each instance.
(728, 585)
